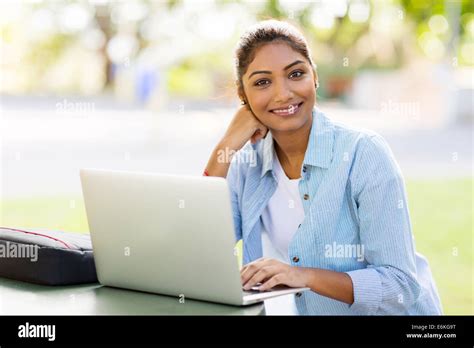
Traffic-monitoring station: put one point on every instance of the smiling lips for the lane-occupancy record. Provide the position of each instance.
(290, 110)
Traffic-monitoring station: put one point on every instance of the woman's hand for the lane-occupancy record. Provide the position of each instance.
(271, 272)
(244, 126)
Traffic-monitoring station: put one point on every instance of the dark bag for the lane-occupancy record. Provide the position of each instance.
(46, 257)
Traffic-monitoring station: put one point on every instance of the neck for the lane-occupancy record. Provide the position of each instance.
(291, 146)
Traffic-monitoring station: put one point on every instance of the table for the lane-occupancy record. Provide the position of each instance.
(20, 298)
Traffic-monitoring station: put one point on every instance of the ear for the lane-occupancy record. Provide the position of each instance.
(241, 93)
(316, 79)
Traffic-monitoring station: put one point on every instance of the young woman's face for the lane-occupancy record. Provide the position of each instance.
(279, 86)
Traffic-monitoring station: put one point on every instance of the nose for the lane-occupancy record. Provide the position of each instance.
(283, 92)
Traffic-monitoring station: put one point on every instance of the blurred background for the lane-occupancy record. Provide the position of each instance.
(149, 86)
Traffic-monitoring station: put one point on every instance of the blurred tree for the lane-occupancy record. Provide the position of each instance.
(102, 17)
(337, 30)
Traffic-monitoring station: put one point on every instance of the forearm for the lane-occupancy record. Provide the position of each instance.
(219, 162)
(335, 285)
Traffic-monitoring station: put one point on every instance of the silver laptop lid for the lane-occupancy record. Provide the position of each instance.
(162, 233)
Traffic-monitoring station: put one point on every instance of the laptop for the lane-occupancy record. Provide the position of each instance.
(166, 234)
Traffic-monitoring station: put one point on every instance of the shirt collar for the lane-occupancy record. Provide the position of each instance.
(319, 152)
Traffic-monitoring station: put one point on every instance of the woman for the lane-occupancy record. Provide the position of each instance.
(329, 199)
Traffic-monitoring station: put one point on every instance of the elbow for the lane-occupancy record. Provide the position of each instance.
(383, 290)
(413, 289)
(405, 291)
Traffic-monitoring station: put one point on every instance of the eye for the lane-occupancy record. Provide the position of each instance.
(261, 83)
(297, 73)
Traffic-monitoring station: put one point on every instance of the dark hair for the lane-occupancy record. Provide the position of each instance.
(263, 33)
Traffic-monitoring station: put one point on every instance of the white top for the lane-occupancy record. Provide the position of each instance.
(282, 215)
(281, 218)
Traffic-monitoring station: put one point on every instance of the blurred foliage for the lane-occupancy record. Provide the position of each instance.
(47, 52)
(331, 43)
(189, 81)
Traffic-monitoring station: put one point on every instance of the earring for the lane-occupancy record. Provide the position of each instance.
(243, 102)
(316, 84)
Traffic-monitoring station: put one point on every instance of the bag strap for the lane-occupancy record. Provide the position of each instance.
(38, 234)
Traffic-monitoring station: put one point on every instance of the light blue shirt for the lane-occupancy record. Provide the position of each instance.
(356, 220)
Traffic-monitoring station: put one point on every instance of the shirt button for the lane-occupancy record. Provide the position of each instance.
(298, 294)
(306, 196)
(296, 259)
(304, 169)
(299, 225)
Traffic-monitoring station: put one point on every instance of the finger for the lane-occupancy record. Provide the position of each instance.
(253, 263)
(255, 139)
(249, 273)
(260, 276)
(250, 269)
(261, 134)
(254, 269)
(256, 136)
(272, 282)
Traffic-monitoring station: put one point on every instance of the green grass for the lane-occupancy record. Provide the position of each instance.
(441, 213)
(61, 213)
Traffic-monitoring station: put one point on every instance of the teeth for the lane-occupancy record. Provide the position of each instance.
(290, 110)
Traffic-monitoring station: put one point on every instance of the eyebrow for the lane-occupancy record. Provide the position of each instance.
(269, 72)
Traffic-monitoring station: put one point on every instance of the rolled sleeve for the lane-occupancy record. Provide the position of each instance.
(367, 291)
